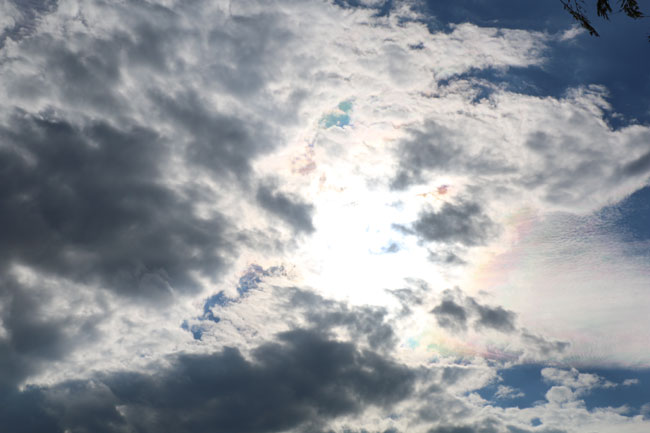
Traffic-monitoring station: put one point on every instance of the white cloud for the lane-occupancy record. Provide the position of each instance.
(507, 392)
(579, 382)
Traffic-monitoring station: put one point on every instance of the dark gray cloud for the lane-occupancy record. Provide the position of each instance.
(451, 315)
(464, 429)
(408, 298)
(554, 178)
(455, 310)
(437, 148)
(26, 412)
(638, 166)
(451, 375)
(542, 346)
(514, 429)
(255, 46)
(567, 168)
(89, 204)
(364, 323)
(493, 317)
(447, 258)
(390, 430)
(302, 379)
(462, 223)
(221, 145)
(490, 425)
(289, 209)
(33, 339)
(456, 429)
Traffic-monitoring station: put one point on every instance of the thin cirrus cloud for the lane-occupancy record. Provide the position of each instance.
(312, 216)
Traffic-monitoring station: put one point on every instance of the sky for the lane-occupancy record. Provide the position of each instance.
(328, 216)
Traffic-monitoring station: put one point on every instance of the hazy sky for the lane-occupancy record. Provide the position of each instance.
(322, 216)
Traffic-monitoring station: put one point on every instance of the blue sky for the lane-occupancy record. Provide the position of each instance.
(530, 388)
(323, 216)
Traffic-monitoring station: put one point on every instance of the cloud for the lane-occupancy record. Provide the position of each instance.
(168, 167)
(303, 378)
(494, 317)
(437, 147)
(492, 330)
(487, 425)
(33, 336)
(572, 379)
(560, 395)
(639, 166)
(455, 309)
(507, 392)
(19, 19)
(539, 347)
(554, 167)
(223, 145)
(462, 223)
(451, 315)
(88, 203)
(295, 213)
(113, 177)
(362, 324)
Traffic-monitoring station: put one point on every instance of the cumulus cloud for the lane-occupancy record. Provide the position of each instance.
(462, 223)
(507, 392)
(453, 315)
(303, 378)
(573, 379)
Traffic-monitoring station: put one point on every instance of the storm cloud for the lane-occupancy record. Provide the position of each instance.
(88, 203)
(302, 379)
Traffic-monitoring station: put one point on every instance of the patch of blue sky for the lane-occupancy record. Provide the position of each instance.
(632, 388)
(389, 248)
(195, 330)
(339, 117)
(251, 279)
(247, 282)
(525, 378)
(634, 394)
(219, 299)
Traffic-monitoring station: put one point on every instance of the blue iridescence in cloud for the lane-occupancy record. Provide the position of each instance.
(339, 117)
